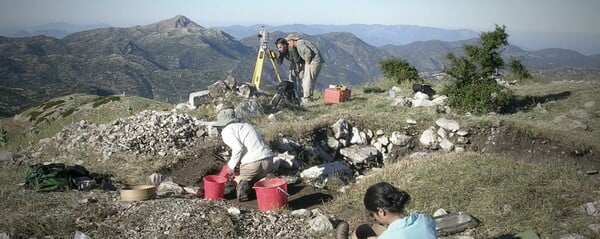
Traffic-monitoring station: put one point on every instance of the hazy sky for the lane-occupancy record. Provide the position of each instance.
(580, 17)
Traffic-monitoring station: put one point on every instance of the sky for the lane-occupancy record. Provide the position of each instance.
(575, 21)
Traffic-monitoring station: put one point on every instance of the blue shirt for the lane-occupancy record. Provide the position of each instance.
(415, 225)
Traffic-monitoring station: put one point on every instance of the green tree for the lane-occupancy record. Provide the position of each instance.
(518, 69)
(475, 88)
(397, 71)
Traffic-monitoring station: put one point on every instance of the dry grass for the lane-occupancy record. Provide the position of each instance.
(541, 198)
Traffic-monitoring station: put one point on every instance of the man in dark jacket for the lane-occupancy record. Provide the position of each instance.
(296, 70)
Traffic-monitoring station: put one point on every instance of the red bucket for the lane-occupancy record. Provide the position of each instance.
(271, 194)
(214, 187)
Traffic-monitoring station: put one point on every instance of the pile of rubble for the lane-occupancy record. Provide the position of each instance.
(198, 218)
(147, 133)
(350, 151)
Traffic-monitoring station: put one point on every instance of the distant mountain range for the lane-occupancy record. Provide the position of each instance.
(172, 58)
(55, 29)
(373, 34)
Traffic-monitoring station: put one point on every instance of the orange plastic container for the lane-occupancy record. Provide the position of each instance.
(214, 187)
(336, 95)
(271, 194)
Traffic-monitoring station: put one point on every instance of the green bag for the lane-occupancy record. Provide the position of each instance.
(48, 178)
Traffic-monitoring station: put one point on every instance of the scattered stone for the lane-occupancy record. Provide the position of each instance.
(320, 223)
(401, 101)
(420, 96)
(88, 200)
(340, 129)
(506, 209)
(592, 208)
(199, 98)
(326, 170)
(451, 125)
(440, 100)
(579, 113)
(217, 88)
(301, 213)
(572, 236)
(191, 190)
(230, 82)
(595, 228)
(6, 156)
(440, 212)
(291, 179)
(453, 223)
(169, 188)
(358, 137)
(399, 139)
(446, 145)
(245, 90)
(285, 161)
(591, 172)
(359, 154)
(428, 138)
(234, 211)
(418, 155)
(157, 178)
(411, 121)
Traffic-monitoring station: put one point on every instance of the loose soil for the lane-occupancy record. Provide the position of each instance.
(189, 172)
(512, 141)
(504, 139)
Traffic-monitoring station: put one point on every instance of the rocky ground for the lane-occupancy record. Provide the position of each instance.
(188, 217)
(100, 213)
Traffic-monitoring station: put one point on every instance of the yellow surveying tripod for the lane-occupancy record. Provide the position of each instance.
(262, 51)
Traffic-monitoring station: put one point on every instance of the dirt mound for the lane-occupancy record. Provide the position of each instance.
(519, 144)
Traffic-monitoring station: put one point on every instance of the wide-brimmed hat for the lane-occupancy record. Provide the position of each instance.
(225, 117)
(292, 36)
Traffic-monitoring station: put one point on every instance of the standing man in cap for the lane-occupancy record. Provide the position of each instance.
(313, 62)
(247, 149)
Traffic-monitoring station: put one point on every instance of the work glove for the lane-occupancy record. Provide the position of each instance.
(227, 172)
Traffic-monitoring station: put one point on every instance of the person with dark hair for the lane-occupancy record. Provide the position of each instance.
(386, 203)
(296, 69)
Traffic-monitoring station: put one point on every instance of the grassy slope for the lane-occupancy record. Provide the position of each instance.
(543, 197)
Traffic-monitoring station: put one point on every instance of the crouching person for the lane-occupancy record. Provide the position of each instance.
(248, 150)
(386, 204)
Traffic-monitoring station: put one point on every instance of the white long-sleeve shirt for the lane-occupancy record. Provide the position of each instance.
(246, 144)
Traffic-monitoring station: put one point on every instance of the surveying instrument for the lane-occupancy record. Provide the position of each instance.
(260, 58)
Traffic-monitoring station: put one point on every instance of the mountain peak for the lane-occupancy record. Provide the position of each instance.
(176, 22)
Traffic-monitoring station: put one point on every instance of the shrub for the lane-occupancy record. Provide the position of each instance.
(50, 104)
(105, 99)
(34, 114)
(475, 88)
(518, 69)
(397, 71)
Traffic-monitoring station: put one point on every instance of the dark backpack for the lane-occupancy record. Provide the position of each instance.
(53, 177)
(286, 90)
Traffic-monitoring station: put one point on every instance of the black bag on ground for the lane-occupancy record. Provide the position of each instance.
(425, 89)
(286, 90)
(53, 177)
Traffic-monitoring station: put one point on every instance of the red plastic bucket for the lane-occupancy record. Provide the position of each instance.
(214, 187)
(271, 194)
